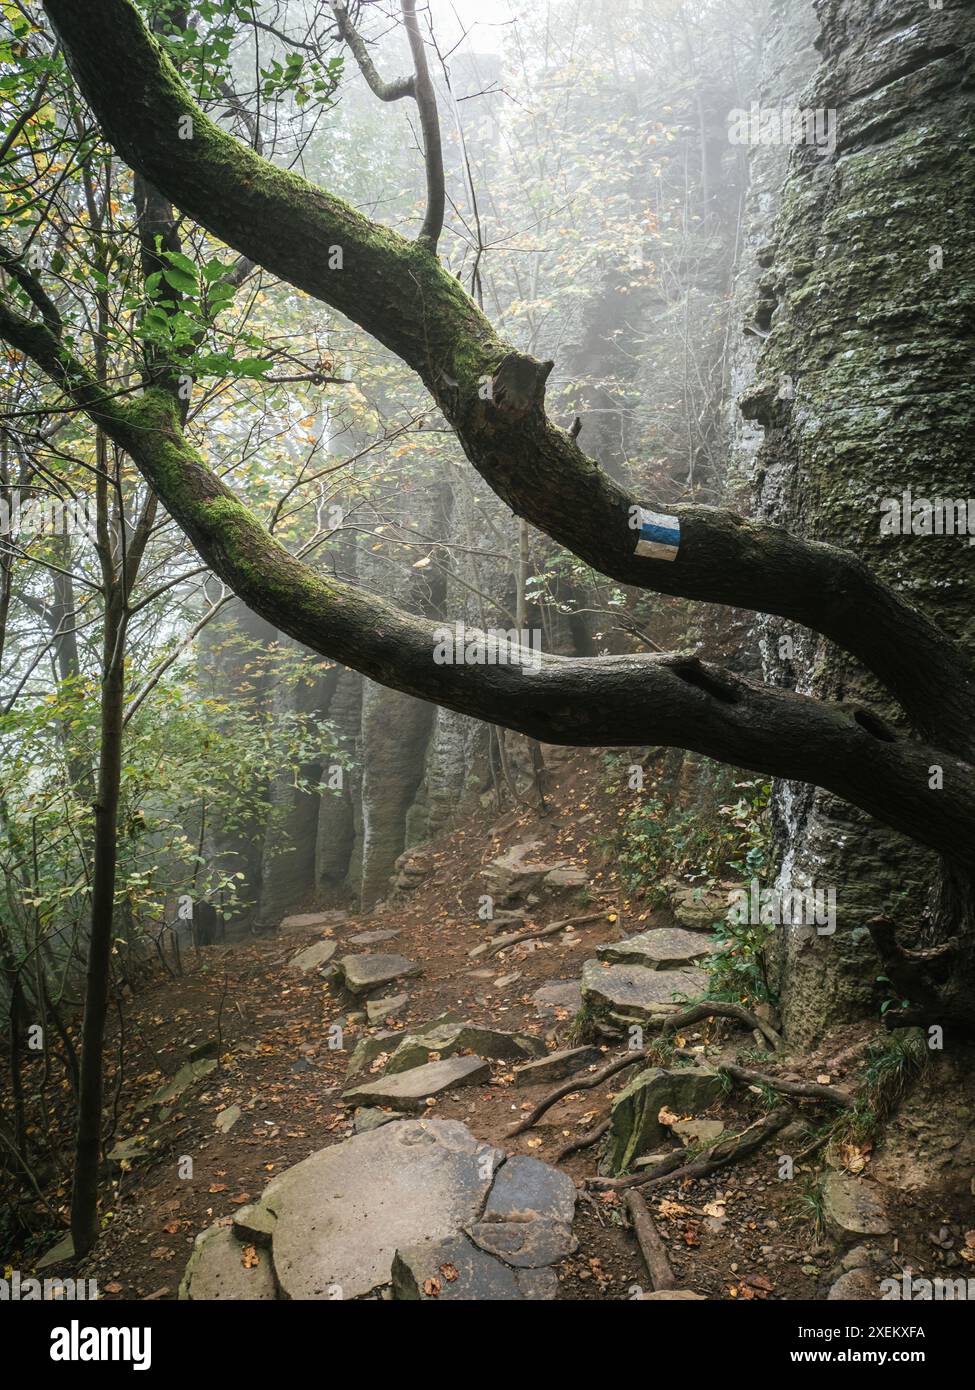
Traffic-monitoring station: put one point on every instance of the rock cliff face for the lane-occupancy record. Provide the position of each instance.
(865, 292)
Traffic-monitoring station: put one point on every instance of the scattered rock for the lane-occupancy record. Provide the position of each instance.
(634, 1126)
(253, 1224)
(560, 994)
(311, 921)
(312, 957)
(854, 1206)
(372, 938)
(228, 1118)
(63, 1250)
(664, 948)
(632, 993)
(515, 874)
(557, 1065)
(565, 879)
(378, 1010)
(187, 1076)
(362, 973)
(858, 1285)
(697, 908)
(452, 1038)
(368, 1049)
(368, 1117)
(410, 1089)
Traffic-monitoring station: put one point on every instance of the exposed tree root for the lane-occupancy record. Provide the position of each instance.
(720, 1154)
(721, 1008)
(652, 1248)
(804, 1090)
(501, 943)
(581, 1082)
(584, 1141)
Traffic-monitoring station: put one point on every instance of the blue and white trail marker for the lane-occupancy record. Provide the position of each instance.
(658, 535)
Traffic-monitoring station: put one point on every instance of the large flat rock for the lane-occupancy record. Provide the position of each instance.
(366, 972)
(410, 1089)
(340, 1216)
(421, 1204)
(664, 948)
(633, 992)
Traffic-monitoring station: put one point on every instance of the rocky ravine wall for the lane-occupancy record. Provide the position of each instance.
(873, 329)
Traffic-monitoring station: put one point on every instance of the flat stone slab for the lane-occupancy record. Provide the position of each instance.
(378, 1010)
(454, 1269)
(216, 1269)
(450, 1039)
(226, 1120)
(411, 1089)
(366, 972)
(368, 1118)
(556, 1066)
(368, 1049)
(341, 1215)
(311, 921)
(312, 957)
(560, 994)
(525, 1244)
(635, 993)
(634, 1124)
(373, 938)
(664, 948)
(854, 1206)
(188, 1075)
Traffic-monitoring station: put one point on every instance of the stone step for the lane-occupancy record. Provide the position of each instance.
(663, 948)
(632, 993)
(411, 1089)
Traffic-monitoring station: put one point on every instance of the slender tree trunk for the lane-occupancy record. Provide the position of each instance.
(84, 1197)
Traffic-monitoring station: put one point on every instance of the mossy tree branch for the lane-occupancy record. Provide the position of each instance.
(661, 699)
(399, 292)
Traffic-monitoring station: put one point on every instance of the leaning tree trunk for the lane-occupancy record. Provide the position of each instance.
(863, 392)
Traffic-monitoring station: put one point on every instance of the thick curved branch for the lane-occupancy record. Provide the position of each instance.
(397, 291)
(660, 699)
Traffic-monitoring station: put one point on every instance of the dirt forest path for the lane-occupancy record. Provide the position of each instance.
(258, 1039)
